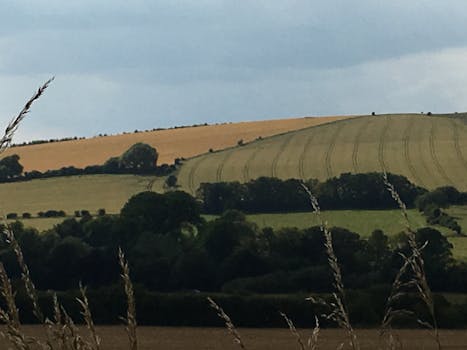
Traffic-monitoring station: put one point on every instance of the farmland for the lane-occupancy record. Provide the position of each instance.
(72, 193)
(179, 338)
(360, 221)
(171, 143)
(430, 151)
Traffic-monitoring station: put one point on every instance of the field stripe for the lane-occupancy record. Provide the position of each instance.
(406, 140)
(279, 154)
(433, 153)
(191, 174)
(150, 184)
(356, 146)
(220, 167)
(301, 161)
(330, 150)
(456, 143)
(382, 140)
(246, 167)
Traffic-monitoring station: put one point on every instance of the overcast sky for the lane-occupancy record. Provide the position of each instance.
(122, 65)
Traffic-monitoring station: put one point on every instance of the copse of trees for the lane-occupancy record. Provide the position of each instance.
(348, 191)
(139, 157)
(10, 167)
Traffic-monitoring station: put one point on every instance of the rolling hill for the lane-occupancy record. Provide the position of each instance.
(170, 143)
(430, 150)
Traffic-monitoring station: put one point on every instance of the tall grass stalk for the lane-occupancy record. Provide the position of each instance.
(12, 127)
(312, 342)
(130, 319)
(417, 265)
(339, 312)
(228, 323)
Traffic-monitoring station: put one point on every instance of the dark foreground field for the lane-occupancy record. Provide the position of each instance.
(114, 338)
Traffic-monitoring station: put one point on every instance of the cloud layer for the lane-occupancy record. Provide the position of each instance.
(124, 65)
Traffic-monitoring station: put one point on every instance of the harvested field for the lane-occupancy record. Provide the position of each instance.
(172, 143)
(429, 150)
(155, 338)
(70, 193)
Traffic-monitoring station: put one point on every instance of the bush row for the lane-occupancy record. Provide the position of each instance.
(366, 308)
(348, 191)
(56, 213)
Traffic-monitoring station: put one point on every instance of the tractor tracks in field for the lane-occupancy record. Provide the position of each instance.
(246, 167)
(434, 157)
(459, 153)
(191, 174)
(408, 160)
(279, 154)
(220, 167)
(330, 150)
(382, 141)
(301, 159)
(356, 146)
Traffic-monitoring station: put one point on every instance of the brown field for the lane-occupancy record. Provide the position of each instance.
(171, 143)
(155, 338)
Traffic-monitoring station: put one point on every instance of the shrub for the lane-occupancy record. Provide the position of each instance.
(26, 215)
(171, 181)
(101, 212)
(11, 216)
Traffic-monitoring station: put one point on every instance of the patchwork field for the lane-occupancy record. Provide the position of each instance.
(183, 338)
(430, 150)
(171, 144)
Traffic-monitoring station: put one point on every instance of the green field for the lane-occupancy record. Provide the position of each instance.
(71, 193)
(430, 150)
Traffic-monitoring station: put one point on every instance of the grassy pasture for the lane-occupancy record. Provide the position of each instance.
(182, 338)
(430, 150)
(173, 143)
(71, 193)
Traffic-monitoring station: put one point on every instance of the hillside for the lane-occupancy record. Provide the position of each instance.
(430, 150)
(171, 143)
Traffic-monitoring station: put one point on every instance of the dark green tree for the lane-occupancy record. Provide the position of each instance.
(140, 156)
(10, 167)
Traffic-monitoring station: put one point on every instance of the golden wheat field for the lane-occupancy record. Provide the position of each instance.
(430, 151)
(182, 338)
(170, 143)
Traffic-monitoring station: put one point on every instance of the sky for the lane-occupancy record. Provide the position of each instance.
(122, 65)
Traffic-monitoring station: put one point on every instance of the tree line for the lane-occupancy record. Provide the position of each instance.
(171, 247)
(140, 158)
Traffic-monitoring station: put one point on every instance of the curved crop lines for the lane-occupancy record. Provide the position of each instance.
(382, 140)
(330, 150)
(301, 160)
(246, 167)
(356, 145)
(191, 174)
(220, 167)
(434, 156)
(278, 155)
(150, 184)
(406, 140)
(456, 143)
